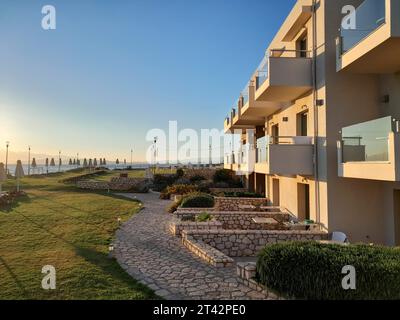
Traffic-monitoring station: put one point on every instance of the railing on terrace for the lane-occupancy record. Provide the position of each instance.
(244, 95)
(262, 73)
(262, 147)
(370, 15)
(230, 158)
(368, 141)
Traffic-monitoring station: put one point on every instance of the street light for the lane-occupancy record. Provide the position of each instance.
(7, 144)
(155, 153)
(29, 160)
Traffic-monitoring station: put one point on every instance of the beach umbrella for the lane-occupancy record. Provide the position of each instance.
(117, 161)
(70, 162)
(84, 163)
(47, 165)
(101, 161)
(52, 163)
(74, 162)
(125, 162)
(78, 162)
(104, 161)
(95, 162)
(33, 165)
(19, 172)
(3, 176)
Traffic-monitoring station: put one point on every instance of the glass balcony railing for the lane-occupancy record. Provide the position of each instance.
(262, 73)
(262, 146)
(245, 94)
(367, 141)
(370, 15)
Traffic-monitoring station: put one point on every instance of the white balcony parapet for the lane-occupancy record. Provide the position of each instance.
(285, 155)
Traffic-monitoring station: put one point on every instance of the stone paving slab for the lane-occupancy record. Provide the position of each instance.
(146, 250)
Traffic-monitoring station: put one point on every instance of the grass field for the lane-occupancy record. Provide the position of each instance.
(71, 230)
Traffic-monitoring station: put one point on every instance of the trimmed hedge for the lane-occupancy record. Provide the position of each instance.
(198, 201)
(310, 270)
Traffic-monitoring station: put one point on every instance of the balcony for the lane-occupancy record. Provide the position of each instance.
(370, 150)
(229, 160)
(285, 156)
(252, 112)
(373, 46)
(246, 159)
(283, 76)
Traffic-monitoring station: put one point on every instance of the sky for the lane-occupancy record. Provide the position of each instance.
(113, 70)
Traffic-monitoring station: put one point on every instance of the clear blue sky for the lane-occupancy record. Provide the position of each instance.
(112, 70)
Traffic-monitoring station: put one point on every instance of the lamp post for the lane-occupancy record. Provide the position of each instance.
(7, 144)
(29, 160)
(131, 157)
(155, 154)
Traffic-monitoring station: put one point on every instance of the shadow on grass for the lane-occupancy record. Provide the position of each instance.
(110, 266)
(13, 275)
(15, 204)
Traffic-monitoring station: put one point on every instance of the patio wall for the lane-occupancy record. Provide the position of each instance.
(233, 204)
(247, 243)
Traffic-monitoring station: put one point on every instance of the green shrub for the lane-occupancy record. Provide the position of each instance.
(180, 189)
(204, 217)
(310, 270)
(179, 173)
(204, 186)
(224, 178)
(161, 181)
(223, 175)
(200, 200)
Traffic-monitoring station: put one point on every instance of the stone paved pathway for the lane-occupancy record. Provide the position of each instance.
(146, 250)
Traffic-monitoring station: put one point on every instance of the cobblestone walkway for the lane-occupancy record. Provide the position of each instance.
(145, 249)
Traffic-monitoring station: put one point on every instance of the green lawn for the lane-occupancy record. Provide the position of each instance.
(69, 229)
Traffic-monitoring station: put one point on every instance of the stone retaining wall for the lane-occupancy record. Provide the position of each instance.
(246, 272)
(240, 220)
(184, 211)
(176, 226)
(207, 253)
(220, 190)
(233, 204)
(247, 243)
(115, 184)
(93, 185)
